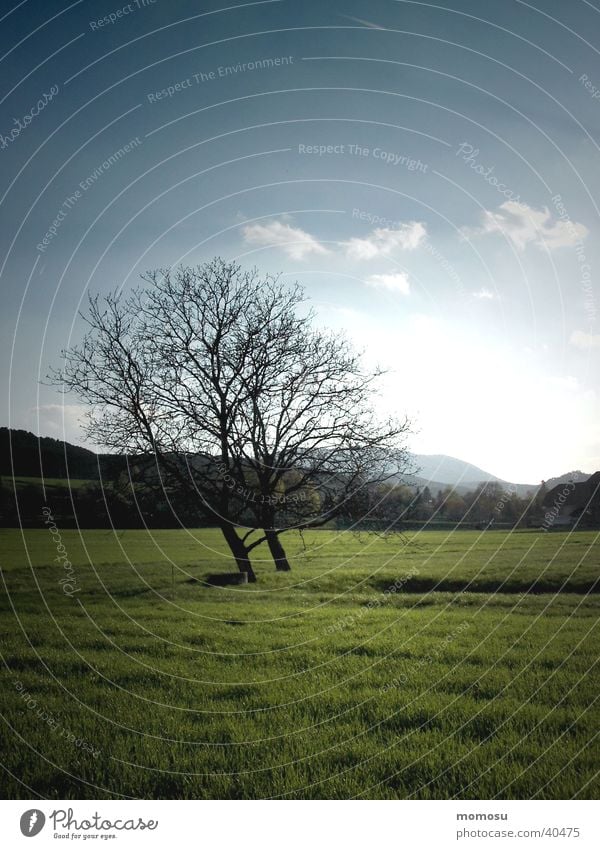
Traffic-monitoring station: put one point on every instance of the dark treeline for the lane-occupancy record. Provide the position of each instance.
(124, 503)
(80, 487)
(489, 504)
(92, 504)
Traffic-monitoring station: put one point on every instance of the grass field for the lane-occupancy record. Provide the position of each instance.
(439, 666)
(19, 482)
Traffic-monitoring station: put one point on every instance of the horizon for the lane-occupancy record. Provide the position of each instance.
(98, 450)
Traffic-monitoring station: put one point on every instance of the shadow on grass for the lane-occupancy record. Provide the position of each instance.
(221, 579)
(533, 587)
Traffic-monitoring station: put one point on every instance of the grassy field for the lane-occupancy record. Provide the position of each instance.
(19, 482)
(437, 666)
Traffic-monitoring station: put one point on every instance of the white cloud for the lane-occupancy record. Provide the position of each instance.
(383, 241)
(368, 24)
(565, 383)
(396, 282)
(524, 225)
(484, 294)
(297, 243)
(61, 421)
(585, 341)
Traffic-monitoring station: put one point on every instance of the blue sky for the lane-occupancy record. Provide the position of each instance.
(428, 172)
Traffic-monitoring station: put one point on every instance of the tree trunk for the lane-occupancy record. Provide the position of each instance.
(239, 551)
(277, 551)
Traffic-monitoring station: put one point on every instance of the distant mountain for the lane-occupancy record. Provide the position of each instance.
(449, 470)
(438, 471)
(435, 486)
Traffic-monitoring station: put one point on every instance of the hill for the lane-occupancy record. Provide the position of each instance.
(439, 471)
(25, 455)
(449, 470)
(569, 477)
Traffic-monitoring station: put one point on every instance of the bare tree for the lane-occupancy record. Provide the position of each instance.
(244, 410)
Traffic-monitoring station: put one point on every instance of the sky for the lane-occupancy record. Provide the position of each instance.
(428, 172)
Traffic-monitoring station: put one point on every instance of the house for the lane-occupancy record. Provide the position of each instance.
(570, 505)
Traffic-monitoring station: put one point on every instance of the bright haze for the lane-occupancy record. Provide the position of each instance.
(429, 174)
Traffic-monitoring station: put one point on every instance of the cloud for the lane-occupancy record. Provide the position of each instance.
(383, 241)
(62, 421)
(566, 383)
(368, 24)
(484, 294)
(396, 282)
(297, 243)
(585, 341)
(524, 225)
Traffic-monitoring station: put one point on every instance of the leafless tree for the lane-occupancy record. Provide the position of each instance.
(317, 448)
(245, 410)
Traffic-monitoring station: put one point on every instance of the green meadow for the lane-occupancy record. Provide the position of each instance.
(431, 665)
(50, 484)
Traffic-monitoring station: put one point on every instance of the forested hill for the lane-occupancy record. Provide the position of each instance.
(26, 455)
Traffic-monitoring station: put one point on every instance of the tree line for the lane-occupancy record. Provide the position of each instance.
(124, 499)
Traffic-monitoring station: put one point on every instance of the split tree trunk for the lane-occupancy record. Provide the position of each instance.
(277, 551)
(239, 551)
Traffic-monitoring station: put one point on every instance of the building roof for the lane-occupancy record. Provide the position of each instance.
(575, 498)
